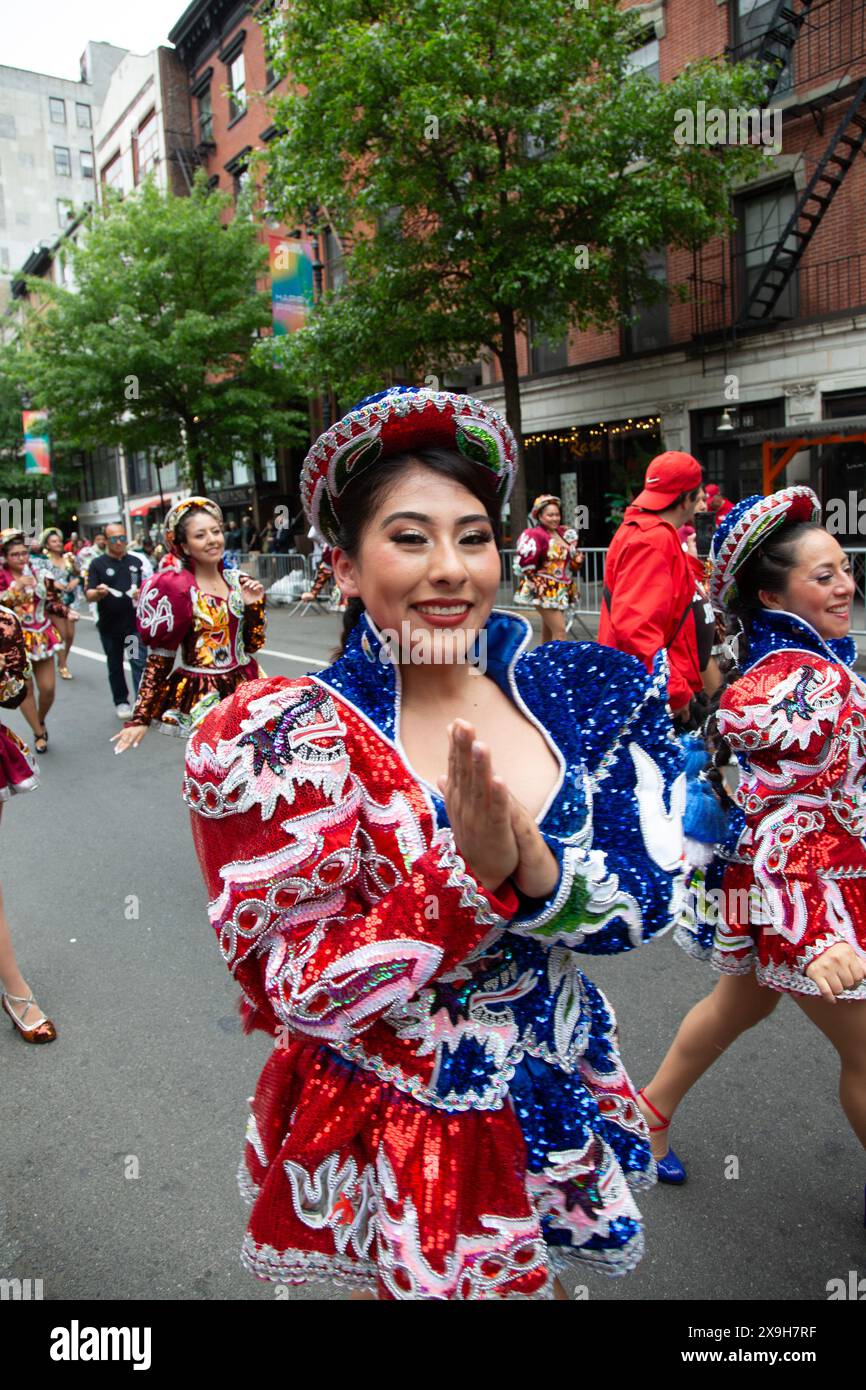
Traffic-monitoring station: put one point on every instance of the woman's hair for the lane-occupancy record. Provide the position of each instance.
(768, 567)
(181, 527)
(367, 491)
(5, 546)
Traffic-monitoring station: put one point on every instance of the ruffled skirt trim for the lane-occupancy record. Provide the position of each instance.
(354, 1181)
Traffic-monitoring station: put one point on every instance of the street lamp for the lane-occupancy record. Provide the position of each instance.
(318, 285)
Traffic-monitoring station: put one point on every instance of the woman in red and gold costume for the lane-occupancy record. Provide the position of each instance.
(17, 774)
(214, 616)
(35, 600)
(445, 1114)
(783, 910)
(548, 560)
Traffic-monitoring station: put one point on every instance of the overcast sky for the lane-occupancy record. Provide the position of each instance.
(51, 35)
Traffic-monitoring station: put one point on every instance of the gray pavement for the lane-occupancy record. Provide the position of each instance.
(151, 1074)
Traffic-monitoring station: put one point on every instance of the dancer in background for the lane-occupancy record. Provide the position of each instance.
(17, 774)
(792, 868)
(35, 600)
(214, 616)
(404, 856)
(62, 567)
(548, 560)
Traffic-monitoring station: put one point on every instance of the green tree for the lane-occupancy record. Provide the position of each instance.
(15, 484)
(153, 347)
(492, 164)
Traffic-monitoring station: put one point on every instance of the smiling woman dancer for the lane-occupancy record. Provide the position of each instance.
(213, 615)
(794, 861)
(35, 600)
(548, 561)
(404, 854)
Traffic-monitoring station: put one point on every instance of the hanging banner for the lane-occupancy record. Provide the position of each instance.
(291, 282)
(37, 446)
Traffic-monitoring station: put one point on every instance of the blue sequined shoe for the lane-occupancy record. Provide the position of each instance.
(669, 1168)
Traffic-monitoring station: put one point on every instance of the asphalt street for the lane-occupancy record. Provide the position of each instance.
(120, 1142)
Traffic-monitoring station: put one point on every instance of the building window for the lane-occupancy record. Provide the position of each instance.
(57, 107)
(645, 59)
(546, 354)
(112, 174)
(649, 327)
(763, 218)
(464, 380)
(86, 164)
(205, 117)
(146, 147)
(82, 115)
(62, 162)
(64, 212)
(752, 19)
(237, 87)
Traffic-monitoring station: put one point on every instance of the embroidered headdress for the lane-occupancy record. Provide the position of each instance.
(747, 526)
(394, 422)
(202, 504)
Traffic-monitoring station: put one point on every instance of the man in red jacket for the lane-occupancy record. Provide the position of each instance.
(648, 588)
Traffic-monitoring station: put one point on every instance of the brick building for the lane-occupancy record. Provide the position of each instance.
(772, 344)
(221, 46)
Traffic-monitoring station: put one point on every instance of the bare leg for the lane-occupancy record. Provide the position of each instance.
(45, 675)
(844, 1023)
(553, 625)
(738, 1002)
(28, 709)
(12, 980)
(66, 628)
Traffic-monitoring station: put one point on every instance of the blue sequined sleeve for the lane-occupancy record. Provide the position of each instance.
(616, 826)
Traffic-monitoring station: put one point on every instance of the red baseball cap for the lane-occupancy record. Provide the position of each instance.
(668, 475)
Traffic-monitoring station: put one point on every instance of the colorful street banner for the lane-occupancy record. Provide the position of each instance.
(37, 446)
(291, 282)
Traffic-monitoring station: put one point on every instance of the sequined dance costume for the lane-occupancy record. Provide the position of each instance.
(34, 608)
(547, 563)
(792, 869)
(445, 1113)
(17, 767)
(215, 636)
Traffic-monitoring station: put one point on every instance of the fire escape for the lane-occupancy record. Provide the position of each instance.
(723, 305)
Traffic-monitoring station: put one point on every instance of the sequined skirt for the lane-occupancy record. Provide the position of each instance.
(17, 769)
(43, 642)
(188, 696)
(544, 591)
(733, 939)
(356, 1182)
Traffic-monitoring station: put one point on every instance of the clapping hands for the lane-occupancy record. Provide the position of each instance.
(493, 832)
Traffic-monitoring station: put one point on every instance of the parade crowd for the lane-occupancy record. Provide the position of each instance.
(405, 861)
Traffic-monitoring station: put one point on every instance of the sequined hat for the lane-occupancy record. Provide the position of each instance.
(394, 422)
(203, 504)
(539, 504)
(11, 536)
(746, 526)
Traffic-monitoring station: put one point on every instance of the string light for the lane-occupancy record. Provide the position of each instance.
(578, 432)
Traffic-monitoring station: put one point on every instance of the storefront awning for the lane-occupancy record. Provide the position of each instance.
(142, 508)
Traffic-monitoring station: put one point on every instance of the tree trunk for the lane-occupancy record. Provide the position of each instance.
(513, 414)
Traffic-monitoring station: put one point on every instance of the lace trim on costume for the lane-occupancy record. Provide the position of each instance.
(815, 949)
(733, 965)
(790, 981)
(690, 944)
(471, 895)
